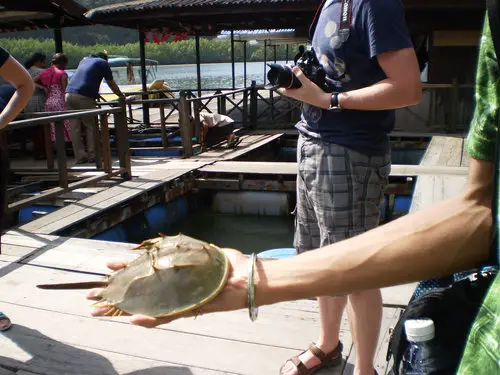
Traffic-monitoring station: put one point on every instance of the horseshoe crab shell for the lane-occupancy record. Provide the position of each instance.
(175, 274)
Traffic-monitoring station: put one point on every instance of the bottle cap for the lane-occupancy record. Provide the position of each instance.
(418, 330)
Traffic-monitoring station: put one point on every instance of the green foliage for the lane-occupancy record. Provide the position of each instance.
(184, 52)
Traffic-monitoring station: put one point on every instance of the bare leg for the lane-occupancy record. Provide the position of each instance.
(331, 309)
(365, 315)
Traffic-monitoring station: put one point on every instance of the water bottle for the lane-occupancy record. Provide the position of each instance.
(419, 333)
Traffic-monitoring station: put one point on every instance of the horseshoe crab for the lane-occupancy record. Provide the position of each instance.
(175, 274)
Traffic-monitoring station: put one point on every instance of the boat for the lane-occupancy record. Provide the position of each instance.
(131, 63)
(128, 80)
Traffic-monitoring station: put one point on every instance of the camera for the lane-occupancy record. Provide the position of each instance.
(282, 75)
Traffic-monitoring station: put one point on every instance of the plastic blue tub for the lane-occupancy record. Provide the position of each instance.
(161, 216)
(402, 204)
(115, 234)
(26, 213)
(277, 253)
(157, 152)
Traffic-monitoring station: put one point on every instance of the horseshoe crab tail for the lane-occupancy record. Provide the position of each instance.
(79, 285)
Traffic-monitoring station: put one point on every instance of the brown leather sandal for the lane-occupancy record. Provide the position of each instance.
(332, 359)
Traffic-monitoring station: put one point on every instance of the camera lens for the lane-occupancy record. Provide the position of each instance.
(282, 76)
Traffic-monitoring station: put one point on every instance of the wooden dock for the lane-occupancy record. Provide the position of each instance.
(53, 333)
(161, 172)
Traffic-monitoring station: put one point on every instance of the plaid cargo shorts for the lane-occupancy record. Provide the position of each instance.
(339, 192)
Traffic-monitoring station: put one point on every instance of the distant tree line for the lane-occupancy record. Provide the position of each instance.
(183, 52)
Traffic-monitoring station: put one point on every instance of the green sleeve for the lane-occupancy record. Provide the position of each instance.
(482, 135)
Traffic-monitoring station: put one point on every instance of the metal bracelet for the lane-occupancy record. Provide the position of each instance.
(253, 311)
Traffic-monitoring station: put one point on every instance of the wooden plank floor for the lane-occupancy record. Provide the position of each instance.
(290, 168)
(441, 152)
(53, 332)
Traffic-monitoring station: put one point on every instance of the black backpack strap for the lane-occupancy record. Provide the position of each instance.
(494, 22)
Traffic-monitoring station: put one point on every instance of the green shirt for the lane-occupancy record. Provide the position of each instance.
(482, 352)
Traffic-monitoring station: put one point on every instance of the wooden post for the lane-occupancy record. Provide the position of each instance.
(271, 100)
(49, 152)
(164, 138)
(222, 109)
(130, 113)
(432, 102)
(454, 105)
(61, 154)
(232, 60)
(253, 105)
(196, 122)
(97, 143)
(106, 146)
(198, 64)
(265, 60)
(185, 125)
(244, 114)
(122, 145)
(58, 34)
(245, 63)
(144, 78)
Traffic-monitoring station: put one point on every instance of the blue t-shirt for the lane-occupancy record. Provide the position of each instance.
(377, 26)
(88, 77)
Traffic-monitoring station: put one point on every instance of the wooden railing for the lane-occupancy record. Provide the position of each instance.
(102, 148)
(445, 107)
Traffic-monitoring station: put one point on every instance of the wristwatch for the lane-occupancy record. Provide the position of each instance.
(334, 102)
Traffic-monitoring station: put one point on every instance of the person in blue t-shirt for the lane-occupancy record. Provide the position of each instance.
(343, 154)
(81, 94)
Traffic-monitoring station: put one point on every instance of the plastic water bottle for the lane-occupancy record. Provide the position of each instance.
(419, 333)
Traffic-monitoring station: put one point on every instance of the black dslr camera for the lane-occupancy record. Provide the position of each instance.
(282, 75)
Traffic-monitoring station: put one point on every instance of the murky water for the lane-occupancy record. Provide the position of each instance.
(246, 233)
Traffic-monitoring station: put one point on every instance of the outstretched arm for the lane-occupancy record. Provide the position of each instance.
(451, 236)
(18, 77)
(116, 90)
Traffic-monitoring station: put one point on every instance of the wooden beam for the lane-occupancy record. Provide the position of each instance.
(57, 191)
(290, 168)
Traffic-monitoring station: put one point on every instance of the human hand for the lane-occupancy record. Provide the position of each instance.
(309, 92)
(232, 297)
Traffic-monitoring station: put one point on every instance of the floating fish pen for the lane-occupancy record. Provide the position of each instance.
(246, 204)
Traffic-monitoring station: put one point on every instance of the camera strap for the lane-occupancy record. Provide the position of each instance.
(345, 19)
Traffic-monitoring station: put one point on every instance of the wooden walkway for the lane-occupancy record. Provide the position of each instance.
(442, 152)
(53, 333)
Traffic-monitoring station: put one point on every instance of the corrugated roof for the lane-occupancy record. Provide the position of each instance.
(206, 17)
(147, 5)
(16, 15)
